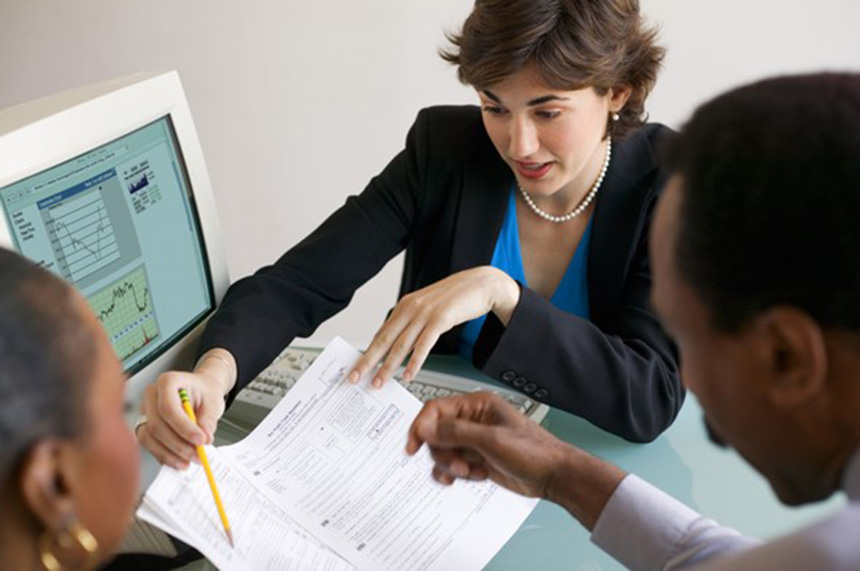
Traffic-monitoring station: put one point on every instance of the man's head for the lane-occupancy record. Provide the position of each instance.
(757, 274)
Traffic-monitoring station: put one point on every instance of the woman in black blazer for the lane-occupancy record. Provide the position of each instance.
(557, 155)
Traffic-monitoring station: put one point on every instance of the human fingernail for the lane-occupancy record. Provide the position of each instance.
(377, 382)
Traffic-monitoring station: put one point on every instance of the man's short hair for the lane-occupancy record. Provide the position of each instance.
(770, 208)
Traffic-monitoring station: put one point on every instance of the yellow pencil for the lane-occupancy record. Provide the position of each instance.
(201, 452)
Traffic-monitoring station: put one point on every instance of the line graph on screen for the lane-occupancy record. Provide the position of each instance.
(82, 236)
(125, 310)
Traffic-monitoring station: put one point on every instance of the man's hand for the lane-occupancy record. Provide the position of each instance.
(168, 433)
(480, 436)
(421, 317)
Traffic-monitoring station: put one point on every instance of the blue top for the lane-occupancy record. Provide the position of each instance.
(571, 294)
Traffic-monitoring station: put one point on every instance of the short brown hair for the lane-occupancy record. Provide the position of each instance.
(572, 44)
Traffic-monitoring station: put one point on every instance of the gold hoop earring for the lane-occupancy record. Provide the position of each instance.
(73, 533)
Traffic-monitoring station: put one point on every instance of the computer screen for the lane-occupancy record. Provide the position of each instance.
(119, 223)
(117, 212)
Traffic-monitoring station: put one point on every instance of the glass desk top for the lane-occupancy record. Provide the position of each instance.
(681, 462)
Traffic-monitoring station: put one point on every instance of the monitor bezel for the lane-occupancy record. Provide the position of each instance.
(46, 132)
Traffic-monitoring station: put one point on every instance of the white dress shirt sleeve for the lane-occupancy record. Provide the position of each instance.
(644, 528)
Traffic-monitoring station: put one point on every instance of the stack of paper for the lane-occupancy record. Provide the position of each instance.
(323, 483)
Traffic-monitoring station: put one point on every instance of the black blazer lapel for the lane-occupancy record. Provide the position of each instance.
(480, 212)
(618, 221)
(483, 200)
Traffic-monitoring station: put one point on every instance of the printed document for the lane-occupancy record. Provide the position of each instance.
(266, 538)
(328, 466)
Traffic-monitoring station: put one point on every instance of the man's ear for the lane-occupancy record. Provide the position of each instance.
(618, 97)
(44, 483)
(797, 356)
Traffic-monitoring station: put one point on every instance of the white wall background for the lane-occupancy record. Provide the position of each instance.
(298, 104)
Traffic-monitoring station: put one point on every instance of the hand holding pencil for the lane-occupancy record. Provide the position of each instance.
(204, 460)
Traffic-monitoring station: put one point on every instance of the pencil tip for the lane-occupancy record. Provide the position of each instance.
(230, 538)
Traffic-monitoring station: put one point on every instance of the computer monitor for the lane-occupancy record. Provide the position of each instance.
(106, 186)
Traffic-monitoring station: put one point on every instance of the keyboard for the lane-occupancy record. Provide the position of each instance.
(255, 401)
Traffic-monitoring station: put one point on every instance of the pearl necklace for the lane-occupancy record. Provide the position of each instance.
(582, 205)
